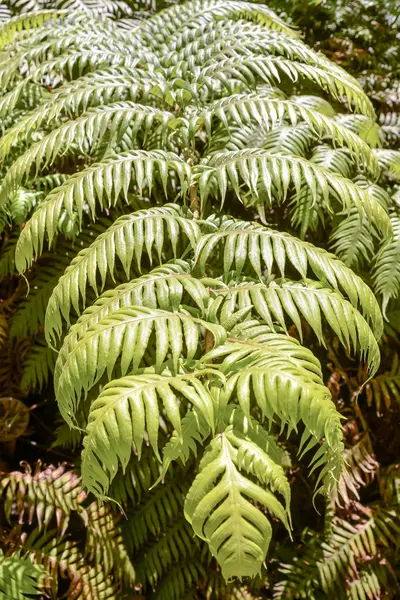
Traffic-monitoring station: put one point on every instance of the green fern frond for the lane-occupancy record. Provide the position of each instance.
(67, 438)
(390, 123)
(170, 22)
(138, 396)
(39, 363)
(82, 135)
(188, 49)
(48, 182)
(389, 161)
(72, 99)
(180, 373)
(354, 240)
(180, 581)
(315, 103)
(101, 183)
(194, 428)
(167, 287)
(239, 245)
(309, 212)
(275, 367)
(155, 512)
(387, 266)
(51, 39)
(154, 232)
(308, 301)
(112, 8)
(218, 508)
(21, 203)
(291, 140)
(174, 546)
(365, 128)
(300, 577)
(255, 166)
(337, 160)
(243, 109)
(389, 484)
(254, 69)
(20, 579)
(80, 62)
(20, 95)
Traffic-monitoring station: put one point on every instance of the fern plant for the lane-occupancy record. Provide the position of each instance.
(19, 577)
(187, 323)
(54, 557)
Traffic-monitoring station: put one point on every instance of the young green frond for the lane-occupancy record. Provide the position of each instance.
(286, 386)
(127, 335)
(354, 240)
(10, 29)
(152, 233)
(125, 410)
(219, 509)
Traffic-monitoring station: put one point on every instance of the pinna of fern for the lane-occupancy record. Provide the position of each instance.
(197, 336)
(354, 558)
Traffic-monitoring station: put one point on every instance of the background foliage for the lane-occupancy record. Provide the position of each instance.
(58, 541)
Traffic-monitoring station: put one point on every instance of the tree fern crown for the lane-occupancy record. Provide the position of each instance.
(154, 163)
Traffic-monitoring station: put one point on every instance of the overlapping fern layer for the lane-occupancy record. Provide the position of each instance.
(162, 181)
